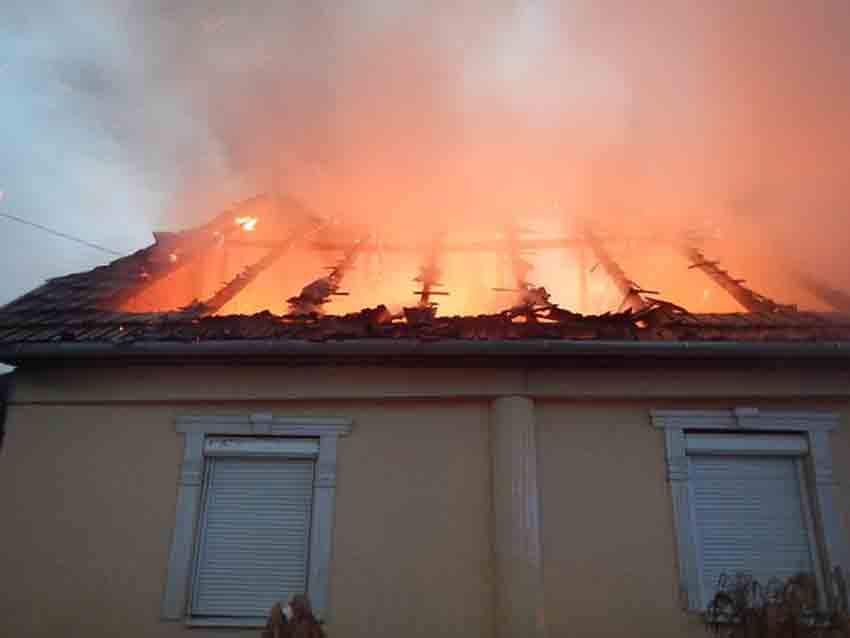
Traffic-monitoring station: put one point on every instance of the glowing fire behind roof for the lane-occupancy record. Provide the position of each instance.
(272, 257)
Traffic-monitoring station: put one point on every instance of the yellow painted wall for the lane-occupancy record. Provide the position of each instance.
(609, 546)
(88, 496)
(88, 480)
(255, 384)
(608, 540)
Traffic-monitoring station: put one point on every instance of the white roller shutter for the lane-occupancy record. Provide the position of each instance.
(254, 536)
(749, 518)
(746, 445)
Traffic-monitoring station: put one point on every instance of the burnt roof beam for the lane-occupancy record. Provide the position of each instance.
(430, 273)
(532, 299)
(249, 274)
(188, 246)
(630, 290)
(749, 299)
(186, 251)
(318, 292)
(837, 299)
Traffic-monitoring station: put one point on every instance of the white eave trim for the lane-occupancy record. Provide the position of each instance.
(744, 418)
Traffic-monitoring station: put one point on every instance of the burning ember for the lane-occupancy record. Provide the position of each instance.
(247, 223)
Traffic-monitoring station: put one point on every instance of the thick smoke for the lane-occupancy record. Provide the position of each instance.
(727, 118)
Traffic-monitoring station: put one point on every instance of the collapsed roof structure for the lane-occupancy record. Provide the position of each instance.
(184, 288)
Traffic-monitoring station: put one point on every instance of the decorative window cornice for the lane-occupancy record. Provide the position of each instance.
(265, 423)
(745, 419)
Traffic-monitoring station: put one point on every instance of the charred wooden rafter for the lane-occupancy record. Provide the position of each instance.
(838, 299)
(173, 252)
(552, 243)
(429, 279)
(631, 291)
(523, 244)
(429, 275)
(249, 274)
(318, 292)
(520, 268)
(470, 246)
(533, 300)
(749, 299)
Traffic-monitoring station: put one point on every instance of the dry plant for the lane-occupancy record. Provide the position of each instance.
(794, 608)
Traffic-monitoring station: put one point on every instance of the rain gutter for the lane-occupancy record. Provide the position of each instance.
(453, 353)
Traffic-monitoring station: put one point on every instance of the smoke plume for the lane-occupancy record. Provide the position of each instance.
(728, 119)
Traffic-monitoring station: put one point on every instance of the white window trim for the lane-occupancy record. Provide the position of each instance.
(814, 426)
(189, 491)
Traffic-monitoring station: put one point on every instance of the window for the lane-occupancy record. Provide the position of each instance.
(750, 508)
(745, 500)
(254, 517)
(252, 542)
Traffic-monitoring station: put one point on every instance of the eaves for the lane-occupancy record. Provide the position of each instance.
(453, 353)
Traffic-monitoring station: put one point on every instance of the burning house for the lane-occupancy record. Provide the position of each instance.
(431, 436)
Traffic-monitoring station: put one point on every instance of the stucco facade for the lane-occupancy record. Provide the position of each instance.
(91, 460)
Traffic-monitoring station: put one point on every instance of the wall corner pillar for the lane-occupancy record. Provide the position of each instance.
(516, 519)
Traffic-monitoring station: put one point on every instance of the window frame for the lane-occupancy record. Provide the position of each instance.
(828, 543)
(196, 431)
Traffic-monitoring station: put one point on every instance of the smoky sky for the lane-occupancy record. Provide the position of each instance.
(118, 118)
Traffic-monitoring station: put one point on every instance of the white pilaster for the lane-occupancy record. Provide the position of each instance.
(516, 507)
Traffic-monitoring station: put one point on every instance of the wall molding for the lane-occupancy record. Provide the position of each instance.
(196, 430)
(744, 418)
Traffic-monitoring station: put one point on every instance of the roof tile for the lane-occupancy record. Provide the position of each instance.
(82, 307)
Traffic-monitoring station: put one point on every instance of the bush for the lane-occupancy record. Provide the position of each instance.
(793, 608)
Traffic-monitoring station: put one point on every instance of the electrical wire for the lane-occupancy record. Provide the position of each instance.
(61, 234)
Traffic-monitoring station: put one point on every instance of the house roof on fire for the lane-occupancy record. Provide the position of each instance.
(100, 306)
